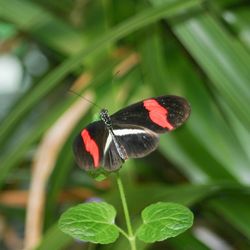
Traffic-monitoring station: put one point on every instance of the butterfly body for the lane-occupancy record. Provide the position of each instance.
(108, 123)
(132, 132)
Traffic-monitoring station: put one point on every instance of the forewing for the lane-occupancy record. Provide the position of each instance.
(160, 114)
(89, 149)
(88, 146)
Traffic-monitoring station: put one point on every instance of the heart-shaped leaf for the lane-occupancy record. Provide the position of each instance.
(164, 220)
(93, 222)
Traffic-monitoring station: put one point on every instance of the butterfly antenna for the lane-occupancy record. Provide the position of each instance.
(83, 97)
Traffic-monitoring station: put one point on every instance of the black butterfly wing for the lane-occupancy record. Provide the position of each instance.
(137, 126)
(137, 141)
(160, 114)
(89, 147)
(112, 160)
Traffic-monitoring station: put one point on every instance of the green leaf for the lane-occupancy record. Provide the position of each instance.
(93, 222)
(164, 220)
(225, 61)
(38, 22)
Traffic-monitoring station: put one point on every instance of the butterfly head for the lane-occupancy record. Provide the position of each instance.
(104, 115)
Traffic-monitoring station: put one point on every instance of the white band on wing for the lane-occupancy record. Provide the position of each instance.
(122, 132)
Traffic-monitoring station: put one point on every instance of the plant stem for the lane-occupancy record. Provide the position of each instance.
(126, 212)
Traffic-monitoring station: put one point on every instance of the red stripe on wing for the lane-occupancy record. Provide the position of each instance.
(91, 146)
(157, 113)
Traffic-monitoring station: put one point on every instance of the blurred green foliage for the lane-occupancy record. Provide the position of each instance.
(192, 48)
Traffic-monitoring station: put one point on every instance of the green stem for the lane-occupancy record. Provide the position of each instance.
(131, 237)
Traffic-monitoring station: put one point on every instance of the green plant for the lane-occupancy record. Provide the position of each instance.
(196, 49)
(95, 221)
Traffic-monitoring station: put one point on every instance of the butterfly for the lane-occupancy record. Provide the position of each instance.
(132, 132)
